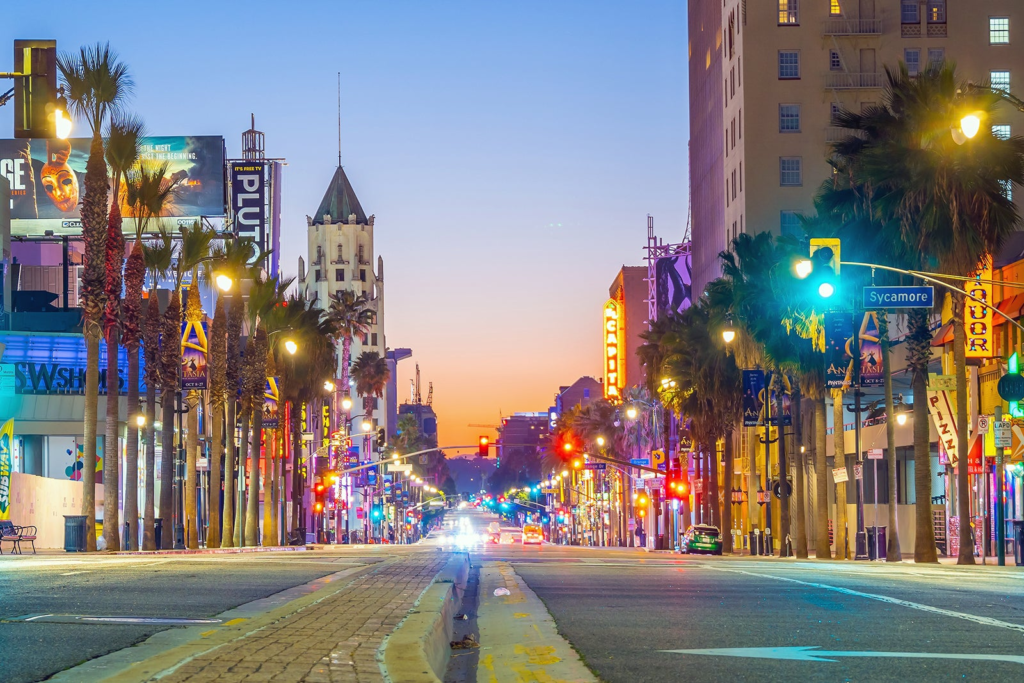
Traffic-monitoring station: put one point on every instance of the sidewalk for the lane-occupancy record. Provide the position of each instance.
(330, 636)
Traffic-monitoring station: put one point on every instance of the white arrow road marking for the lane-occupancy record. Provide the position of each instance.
(987, 621)
(813, 654)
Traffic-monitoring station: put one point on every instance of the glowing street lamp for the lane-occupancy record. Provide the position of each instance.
(631, 413)
(901, 418)
(224, 282)
(328, 386)
(728, 333)
(366, 425)
(346, 403)
(140, 420)
(600, 441)
(290, 346)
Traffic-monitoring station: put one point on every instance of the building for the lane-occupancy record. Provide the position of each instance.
(785, 67)
(521, 431)
(628, 293)
(341, 256)
(581, 393)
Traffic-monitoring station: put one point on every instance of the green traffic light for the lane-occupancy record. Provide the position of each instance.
(826, 290)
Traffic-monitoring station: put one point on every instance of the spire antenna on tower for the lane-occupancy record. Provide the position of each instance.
(339, 118)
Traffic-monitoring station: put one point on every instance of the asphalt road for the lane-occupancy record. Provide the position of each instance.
(195, 586)
(622, 610)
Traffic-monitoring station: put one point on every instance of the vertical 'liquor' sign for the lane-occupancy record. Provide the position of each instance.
(978, 318)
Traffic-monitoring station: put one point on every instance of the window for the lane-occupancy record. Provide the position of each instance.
(740, 125)
(789, 118)
(789, 64)
(365, 340)
(790, 223)
(734, 184)
(936, 56)
(936, 11)
(1001, 131)
(910, 12)
(739, 71)
(339, 274)
(1007, 189)
(835, 9)
(835, 63)
(732, 82)
(732, 127)
(741, 180)
(373, 339)
(789, 12)
(341, 254)
(998, 30)
(586, 393)
(790, 174)
(362, 274)
(1000, 80)
(835, 109)
(316, 275)
(361, 258)
(912, 58)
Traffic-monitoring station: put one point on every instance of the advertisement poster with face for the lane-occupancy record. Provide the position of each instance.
(47, 180)
(674, 284)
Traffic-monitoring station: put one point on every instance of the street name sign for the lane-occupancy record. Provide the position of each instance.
(899, 297)
(646, 462)
(595, 466)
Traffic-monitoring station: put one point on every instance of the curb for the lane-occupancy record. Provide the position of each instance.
(217, 551)
(418, 650)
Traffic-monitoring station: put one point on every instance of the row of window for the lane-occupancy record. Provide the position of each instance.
(339, 274)
(341, 253)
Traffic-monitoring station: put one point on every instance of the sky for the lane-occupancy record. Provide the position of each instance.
(510, 152)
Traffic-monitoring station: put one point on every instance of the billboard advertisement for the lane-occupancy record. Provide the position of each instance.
(194, 347)
(249, 198)
(673, 279)
(47, 180)
(753, 398)
(871, 374)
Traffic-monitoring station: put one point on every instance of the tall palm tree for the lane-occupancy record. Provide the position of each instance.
(124, 134)
(193, 249)
(157, 260)
(944, 208)
(352, 313)
(218, 365)
(97, 84)
(371, 374)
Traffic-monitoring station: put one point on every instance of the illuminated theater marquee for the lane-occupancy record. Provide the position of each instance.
(613, 349)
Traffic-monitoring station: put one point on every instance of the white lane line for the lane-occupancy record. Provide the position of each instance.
(987, 621)
(39, 616)
(74, 573)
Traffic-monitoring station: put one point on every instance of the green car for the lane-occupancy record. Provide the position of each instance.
(701, 539)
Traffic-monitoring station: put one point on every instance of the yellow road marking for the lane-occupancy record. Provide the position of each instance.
(520, 615)
(235, 621)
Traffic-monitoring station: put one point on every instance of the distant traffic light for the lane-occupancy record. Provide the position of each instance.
(319, 493)
(40, 109)
(675, 488)
(485, 444)
(823, 267)
(382, 439)
(376, 512)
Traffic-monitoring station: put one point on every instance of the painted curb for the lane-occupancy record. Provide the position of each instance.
(418, 650)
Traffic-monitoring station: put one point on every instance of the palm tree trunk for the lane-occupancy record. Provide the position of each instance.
(131, 458)
(167, 469)
(892, 541)
(800, 500)
(821, 545)
(963, 485)
(111, 451)
(92, 387)
(839, 447)
(253, 503)
(148, 526)
(227, 535)
(191, 446)
(753, 509)
(784, 511)
(241, 503)
(919, 340)
(713, 498)
(297, 479)
(216, 453)
(727, 498)
(269, 479)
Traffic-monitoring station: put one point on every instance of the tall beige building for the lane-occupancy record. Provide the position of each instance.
(788, 65)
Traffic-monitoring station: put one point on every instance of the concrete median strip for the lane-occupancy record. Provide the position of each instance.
(518, 637)
(418, 650)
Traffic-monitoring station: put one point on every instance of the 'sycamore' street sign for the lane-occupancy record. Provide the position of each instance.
(899, 297)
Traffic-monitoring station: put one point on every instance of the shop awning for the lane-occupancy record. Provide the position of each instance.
(1011, 307)
(944, 335)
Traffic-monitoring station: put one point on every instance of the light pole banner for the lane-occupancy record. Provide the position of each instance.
(753, 398)
(871, 374)
(838, 356)
(271, 401)
(194, 347)
(944, 419)
(6, 465)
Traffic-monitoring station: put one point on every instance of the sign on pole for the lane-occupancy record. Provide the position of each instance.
(899, 297)
(858, 471)
(983, 423)
(875, 453)
(1004, 435)
(840, 475)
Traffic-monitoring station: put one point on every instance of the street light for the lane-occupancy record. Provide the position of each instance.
(600, 441)
(728, 334)
(631, 413)
(328, 386)
(901, 418)
(224, 282)
(366, 425)
(803, 268)
(140, 420)
(346, 403)
(290, 346)
(970, 125)
(62, 124)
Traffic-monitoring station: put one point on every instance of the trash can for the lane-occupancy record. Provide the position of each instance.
(158, 530)
(756, 547)
(298, 536)
(1018, 542)
(876, 551)
(74, 533)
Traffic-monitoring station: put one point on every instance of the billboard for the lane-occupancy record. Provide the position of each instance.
(194, 347)
(249, 198)
(674, 283)
(47, 179)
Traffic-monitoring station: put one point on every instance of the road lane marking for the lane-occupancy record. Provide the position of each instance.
(813, 654)
(74, 573)
(986, 621)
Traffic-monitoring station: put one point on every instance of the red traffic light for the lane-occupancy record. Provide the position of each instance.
(485, 443)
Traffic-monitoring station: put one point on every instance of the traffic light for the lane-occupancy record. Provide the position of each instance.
(823, 267)
(382, 439)
(319, 493)
(40, 110)
(485, 444)
(675, 487)
(376, 512)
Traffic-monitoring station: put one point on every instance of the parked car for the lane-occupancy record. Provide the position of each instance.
(701, 539)
(533, 533)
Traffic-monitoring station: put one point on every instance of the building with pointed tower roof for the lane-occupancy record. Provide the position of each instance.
(341, 256)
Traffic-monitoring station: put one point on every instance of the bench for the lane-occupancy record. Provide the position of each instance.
(10, 533)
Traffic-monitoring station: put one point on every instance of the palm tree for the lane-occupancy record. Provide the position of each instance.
(218, 364)
(97, 84)
(353, 314)
(371, 374)
(124, 134)
(157, 258)
(145, 196)
(193, 249)
(943, 208)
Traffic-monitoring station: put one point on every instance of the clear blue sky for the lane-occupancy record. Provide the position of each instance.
(510, 151)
